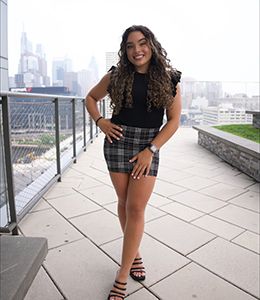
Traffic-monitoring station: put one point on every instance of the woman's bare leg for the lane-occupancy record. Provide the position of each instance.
(120, 182)
(138, 194)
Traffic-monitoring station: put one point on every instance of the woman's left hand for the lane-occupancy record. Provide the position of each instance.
(143, 163)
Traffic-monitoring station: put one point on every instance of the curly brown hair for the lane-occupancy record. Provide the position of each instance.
(160, 74)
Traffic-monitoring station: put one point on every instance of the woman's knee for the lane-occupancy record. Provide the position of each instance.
(135, 210)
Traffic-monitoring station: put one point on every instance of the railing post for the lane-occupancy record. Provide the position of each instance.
(91, 128)
(8, 163)
(104, 107)
(57, 137)
(73, 101)
(84, 125)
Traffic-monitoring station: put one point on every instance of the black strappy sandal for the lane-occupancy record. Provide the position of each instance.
(137, 261)
(114, 293)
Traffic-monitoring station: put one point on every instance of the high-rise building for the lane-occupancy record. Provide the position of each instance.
(192, 89)
(59, 67)
(225, 114)
(84, 86)
(32, 66)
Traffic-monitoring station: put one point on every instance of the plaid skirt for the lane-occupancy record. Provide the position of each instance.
(134, 140)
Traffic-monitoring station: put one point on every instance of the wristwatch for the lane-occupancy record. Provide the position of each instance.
(153, 148)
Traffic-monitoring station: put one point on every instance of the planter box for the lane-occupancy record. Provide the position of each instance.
(237, 151)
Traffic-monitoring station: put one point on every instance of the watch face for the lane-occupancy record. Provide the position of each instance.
(153, 149)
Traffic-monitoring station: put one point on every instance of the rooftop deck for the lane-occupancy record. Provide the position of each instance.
(201, 236)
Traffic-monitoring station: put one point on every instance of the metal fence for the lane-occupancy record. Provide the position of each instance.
(40, 136)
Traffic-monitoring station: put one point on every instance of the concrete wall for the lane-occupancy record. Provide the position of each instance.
(3, 46)
(238, 152)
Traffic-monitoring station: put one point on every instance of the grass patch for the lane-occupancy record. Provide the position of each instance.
(244, 130)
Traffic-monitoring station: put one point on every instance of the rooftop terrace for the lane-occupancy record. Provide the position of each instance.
(201, 236)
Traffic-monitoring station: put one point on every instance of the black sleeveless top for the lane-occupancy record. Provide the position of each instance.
(138, 115)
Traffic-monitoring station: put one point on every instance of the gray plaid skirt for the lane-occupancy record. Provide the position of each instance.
(134, 140)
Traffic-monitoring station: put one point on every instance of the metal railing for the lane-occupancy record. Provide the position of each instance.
(40, 136)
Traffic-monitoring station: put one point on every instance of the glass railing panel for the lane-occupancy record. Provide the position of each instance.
(33, 146)
(66, 136)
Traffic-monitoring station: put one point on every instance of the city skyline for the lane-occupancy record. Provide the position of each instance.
(206, 41)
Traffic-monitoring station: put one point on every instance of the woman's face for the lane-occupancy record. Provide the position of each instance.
(138, 51)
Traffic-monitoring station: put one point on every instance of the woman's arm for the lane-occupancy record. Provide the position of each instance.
(97, 93)
(173, 114)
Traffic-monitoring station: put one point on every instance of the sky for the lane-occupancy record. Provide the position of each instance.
(206, 40)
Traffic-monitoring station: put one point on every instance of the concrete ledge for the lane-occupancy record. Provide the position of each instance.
(237, 151)
(21, 258)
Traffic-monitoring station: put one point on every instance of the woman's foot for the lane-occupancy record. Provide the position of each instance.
(118, 291)
(137, 272)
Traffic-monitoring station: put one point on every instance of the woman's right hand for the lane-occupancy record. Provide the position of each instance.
(110, 129)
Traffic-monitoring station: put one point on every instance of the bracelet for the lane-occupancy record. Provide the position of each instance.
(98, 120)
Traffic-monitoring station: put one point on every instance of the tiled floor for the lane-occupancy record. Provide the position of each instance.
(201, 236)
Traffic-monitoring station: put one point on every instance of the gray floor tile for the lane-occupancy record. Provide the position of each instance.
(255, 187)
(248, 200)
(167, 189)
(101, 194)
(74, 205)
(198, 201)
(159, 260)
(58, 191)
(106, 180)
(240, 267)
(41, 205)
(178, 165)
(194, 282)
(87, 183)
(241, 180)
(49, 224)
(43, 288)
(152, 213)
(222, 191)
(178, 234)
(180, 211)
(195, 183)
(239, 216)
(143, 294)
(158, 200)
(112, 207)
(82, 271)
(101, 226)
(197, 170)
(249, 240)
(218, 227)
(172, 175)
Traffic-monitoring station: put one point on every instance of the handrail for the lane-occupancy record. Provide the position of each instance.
(36, 95)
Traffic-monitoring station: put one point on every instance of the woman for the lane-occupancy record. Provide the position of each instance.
(141, 88)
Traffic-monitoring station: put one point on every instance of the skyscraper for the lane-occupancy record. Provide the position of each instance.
(60, 66)
(32, 70)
